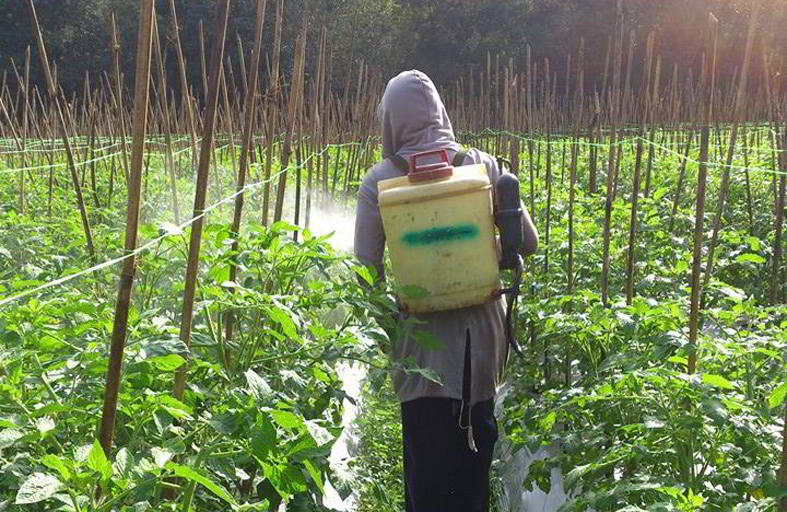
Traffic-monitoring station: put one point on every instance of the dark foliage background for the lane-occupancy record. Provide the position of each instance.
(445, 38)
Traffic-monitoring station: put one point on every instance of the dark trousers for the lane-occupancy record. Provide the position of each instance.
(441, 472)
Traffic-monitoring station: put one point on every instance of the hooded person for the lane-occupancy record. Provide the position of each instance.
(448, 429)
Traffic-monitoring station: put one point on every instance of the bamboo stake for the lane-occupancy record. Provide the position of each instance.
(725, 177)
(293, 103)
(53, 94)
(699, 219)
(776, 281)
(630, 261)
(202, 62)
(222, 14)
(242, 62)
(681, 179)
(184, 85)
(25, 120)
(119, 327)
(575, 148)
(783, 471)
(614, 112)
(248, 131)
(164, 109)
(274, 93)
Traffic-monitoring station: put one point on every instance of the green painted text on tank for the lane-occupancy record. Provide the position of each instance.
(457, 233)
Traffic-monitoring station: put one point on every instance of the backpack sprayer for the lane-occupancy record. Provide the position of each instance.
(439, 221)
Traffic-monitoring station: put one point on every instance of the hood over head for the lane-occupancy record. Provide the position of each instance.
(413, 116)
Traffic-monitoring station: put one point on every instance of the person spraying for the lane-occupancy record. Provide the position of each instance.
(435, 206)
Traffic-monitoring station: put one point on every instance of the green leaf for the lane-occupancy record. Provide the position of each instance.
(774, 490)
(414, 292)
(314, 473)
(257, 385)
(97, 460)
(9, 436)
(37, 487)
(161, 456)
(659, 193)
(286, 419)
(174, 407)
(283, 225)
(122, 462)
(734, 293)
(717, 381)
(264, 437)
(427, 340)
(287, 480)
(777, 396)
(168, 363)
(283, 318)
(81, 452)
(320, 434)
(427, 373)
(678, 360)
(56, 463)
(192, 475)
(750, 258)
(548, 421)
(364, 273)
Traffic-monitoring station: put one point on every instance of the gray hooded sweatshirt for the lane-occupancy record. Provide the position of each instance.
(414, 120)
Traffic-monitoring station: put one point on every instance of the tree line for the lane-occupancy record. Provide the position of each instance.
(447, 39)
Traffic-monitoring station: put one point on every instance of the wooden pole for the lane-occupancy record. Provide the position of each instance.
(119, 327)
(725, 176)
(293, 105)
(165, 118)
(222, 15)
(776, 282)
(185, 97)
(699, 218)
(248, 131)
(59, 107)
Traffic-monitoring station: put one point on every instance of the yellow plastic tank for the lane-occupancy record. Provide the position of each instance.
(439, 228)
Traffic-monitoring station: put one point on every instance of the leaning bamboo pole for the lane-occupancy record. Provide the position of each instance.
(25, 129)
(119, 328)
(699, 218)
(725, 176)
(167, 123)
(184, 85)
(614, 111)
(119, 97)
(776, 281)
(246, 150)
(203, 68)
(630, 260)
(293, 106)
(783, 471)
(274, 94)
(62, 117)
(222, 15)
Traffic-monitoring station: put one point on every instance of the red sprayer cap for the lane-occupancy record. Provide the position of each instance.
(433, 171)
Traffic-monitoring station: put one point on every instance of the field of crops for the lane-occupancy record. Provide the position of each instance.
(603, 392)
(183, 326)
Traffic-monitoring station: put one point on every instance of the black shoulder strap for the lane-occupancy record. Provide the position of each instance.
(401, 163)
(459, 159)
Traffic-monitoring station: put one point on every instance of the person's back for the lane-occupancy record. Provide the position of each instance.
(449, 429)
